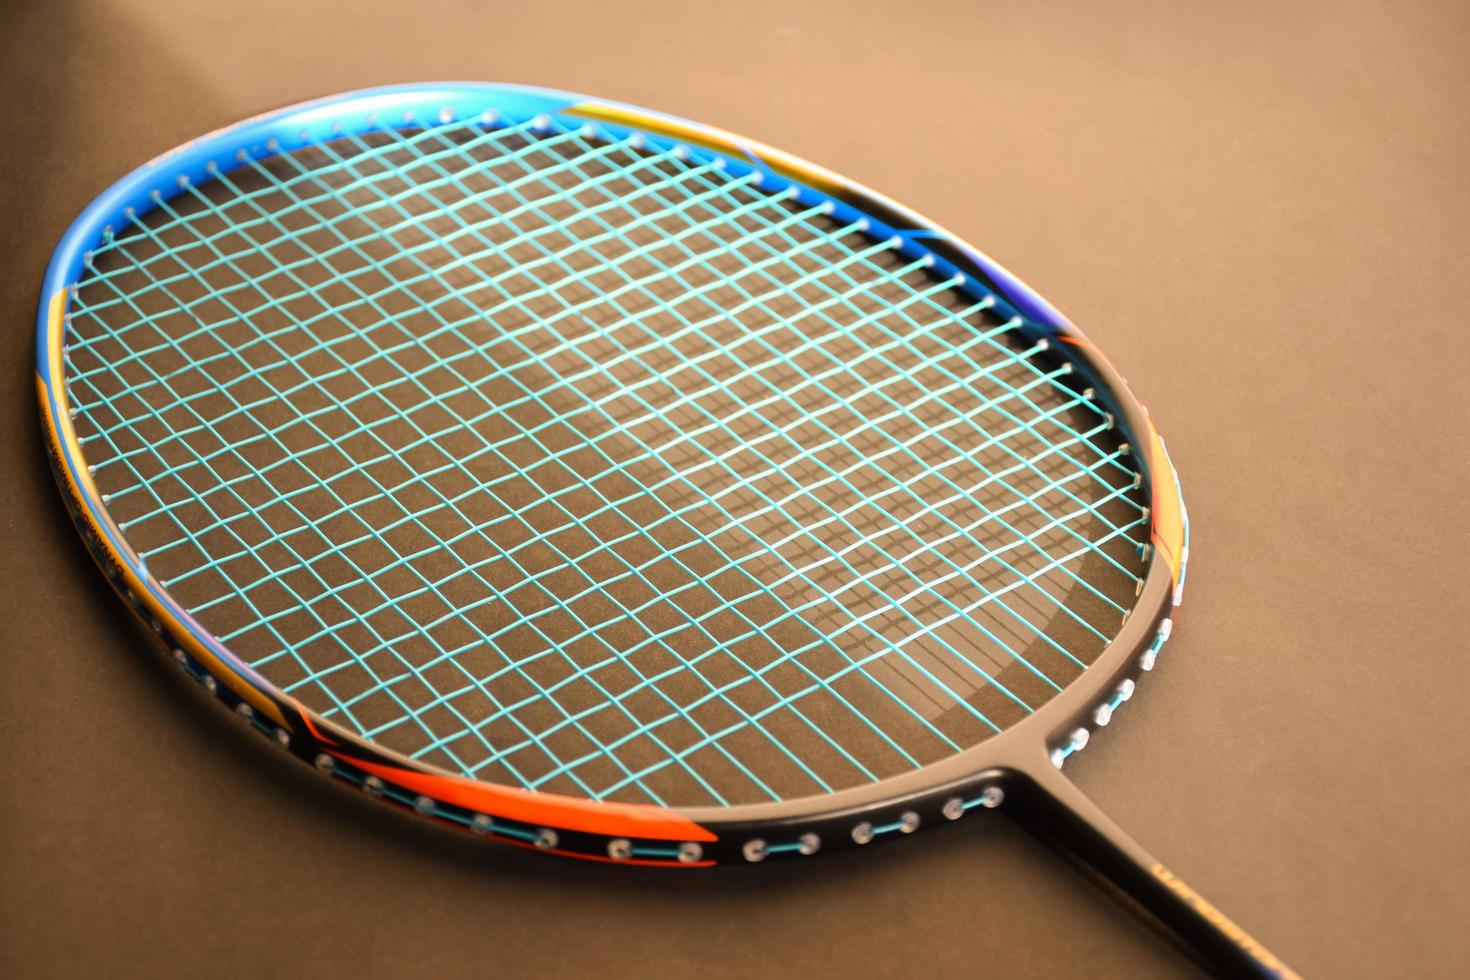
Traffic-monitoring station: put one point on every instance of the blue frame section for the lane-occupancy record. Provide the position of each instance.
(369, 109)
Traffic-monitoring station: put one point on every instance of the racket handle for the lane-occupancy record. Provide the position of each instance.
(1058, 814)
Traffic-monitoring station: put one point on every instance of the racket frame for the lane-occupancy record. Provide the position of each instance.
(1005, 767)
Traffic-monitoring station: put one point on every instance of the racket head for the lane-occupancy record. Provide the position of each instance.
(635, 832)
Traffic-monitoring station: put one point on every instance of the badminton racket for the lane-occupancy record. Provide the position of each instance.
(603, 483)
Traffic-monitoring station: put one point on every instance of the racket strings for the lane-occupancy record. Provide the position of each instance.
(825, 542)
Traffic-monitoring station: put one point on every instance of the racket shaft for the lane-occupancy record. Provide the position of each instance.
(1054, 811)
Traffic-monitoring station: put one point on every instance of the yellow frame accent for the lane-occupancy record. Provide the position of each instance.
(62, 440)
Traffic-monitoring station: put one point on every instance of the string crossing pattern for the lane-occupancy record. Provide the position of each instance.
(561, 461)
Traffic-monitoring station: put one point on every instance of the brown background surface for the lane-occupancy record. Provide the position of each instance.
(1262, 212)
